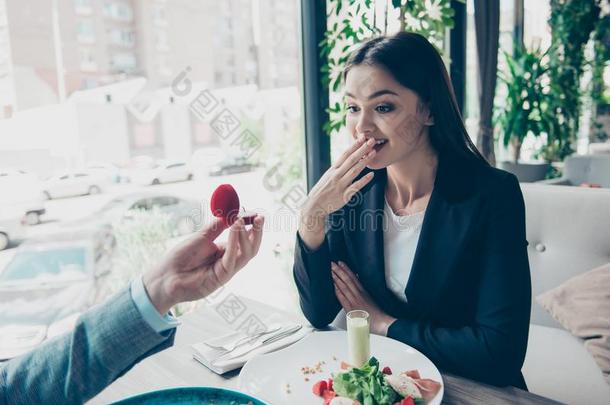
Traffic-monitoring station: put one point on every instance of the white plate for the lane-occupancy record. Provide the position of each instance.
(266, 376)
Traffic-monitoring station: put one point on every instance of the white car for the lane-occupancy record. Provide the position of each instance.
(18, 187)
(73, 184)
(47, 284)
(111, 172)
(204, 159)
(165, 172)
(11, 224)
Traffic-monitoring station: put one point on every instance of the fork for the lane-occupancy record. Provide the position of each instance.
(229, 347)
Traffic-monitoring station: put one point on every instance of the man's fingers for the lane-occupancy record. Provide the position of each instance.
(229, 259)
(256, 233)
(244, 243)
(211, 231)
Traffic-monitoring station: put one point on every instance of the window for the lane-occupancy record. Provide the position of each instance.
(83, 7)
(152, 82)
(162, 42)
(506, 41)
(159, 15)
(87, 60)
(48, 265)
(142, 205)
(536, 30)
(122, 37)
(123, 61)
(164, 201)
(85, 32)
(119, 11)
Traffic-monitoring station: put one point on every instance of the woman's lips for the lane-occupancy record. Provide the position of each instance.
(379, 146)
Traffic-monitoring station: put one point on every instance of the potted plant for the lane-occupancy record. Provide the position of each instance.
(525, 109)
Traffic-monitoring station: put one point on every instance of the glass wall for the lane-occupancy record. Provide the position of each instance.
(127, 114)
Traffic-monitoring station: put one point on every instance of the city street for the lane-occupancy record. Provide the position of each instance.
(268, 267)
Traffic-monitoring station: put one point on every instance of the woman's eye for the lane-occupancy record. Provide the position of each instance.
(352, 108)
(384, 108)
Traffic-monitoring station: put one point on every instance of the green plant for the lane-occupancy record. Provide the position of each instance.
(571, 25)
(349, 22)
(141, 241)
(599, 96)
(526, 106)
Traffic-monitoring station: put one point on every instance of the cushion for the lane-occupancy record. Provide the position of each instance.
(558, 366)
(582, 306)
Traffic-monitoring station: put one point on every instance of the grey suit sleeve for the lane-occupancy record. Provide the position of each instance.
(107, 341)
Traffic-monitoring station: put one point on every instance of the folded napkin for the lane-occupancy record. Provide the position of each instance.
(208, 356)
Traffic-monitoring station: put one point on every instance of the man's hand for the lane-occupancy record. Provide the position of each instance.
(198, 266)
(352, 295)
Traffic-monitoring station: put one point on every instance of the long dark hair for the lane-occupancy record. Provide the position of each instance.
(416, 65)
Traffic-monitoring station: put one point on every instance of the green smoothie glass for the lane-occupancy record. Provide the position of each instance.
(358, 338)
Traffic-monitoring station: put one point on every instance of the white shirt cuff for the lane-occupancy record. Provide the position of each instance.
(148, 311)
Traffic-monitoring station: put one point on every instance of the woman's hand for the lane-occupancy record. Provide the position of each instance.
(334, 190)
(335, 187)
(352, 295)
(198, 266)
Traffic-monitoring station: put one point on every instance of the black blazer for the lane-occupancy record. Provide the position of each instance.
(469, 291)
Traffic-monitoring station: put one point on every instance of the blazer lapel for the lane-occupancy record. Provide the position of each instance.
(368, 236)
(445, 227)
(441, 239)
(368, 245)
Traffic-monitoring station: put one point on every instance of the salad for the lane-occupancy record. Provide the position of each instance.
(370, 385)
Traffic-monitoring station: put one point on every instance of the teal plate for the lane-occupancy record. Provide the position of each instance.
(191, 396)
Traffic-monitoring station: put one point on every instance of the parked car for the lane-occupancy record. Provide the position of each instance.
(166, 172)
(74, 184)
(108, 171)
(45, 287)
(184, 214)
(204, 159)
(232, 166)
(22, 188)
(12, 223)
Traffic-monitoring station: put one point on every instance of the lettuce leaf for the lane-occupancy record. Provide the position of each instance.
(365, 384)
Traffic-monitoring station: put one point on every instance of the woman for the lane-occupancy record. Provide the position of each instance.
(413, 225)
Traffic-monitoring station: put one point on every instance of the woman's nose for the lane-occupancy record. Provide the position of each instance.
(364, 125)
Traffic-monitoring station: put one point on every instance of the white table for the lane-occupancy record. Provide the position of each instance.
(175, 367)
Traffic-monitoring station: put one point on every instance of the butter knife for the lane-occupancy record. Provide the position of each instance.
(247, 349)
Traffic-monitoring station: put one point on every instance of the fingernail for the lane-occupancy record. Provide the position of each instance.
(341, 264)
(370, 141)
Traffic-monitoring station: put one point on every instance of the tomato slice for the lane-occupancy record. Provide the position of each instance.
(319, 388)
(407, 401)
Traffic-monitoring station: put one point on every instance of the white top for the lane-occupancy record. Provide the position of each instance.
(400, 237)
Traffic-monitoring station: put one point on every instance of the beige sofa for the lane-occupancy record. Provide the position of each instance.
(580, 169)
(568, 229)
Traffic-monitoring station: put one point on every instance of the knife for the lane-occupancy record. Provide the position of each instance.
(247, 349)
